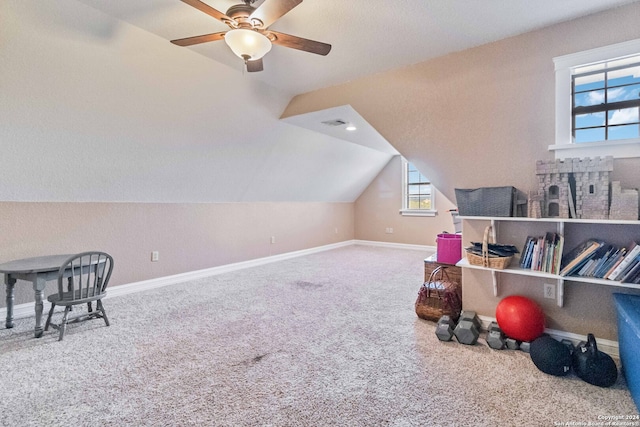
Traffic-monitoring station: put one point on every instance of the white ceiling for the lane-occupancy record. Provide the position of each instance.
(174, 123)
(368, 36)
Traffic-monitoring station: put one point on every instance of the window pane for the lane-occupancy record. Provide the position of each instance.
(589, 120)
(414, 202)
(589, 68)
(624, 132)
(594, 97)
(419, 202)
(592, 81)
(623, 93)
(425, 203)
(626, 115)
(418, 190)
(629, 60)
(414, 177)
(624, 76)
(589, 135)
(423, 189)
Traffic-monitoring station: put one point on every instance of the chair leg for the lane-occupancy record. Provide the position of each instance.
(63, 325)
(46, 325)
(89, 307)
(100, 308)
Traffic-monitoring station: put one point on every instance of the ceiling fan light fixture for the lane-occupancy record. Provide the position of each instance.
(247, 44)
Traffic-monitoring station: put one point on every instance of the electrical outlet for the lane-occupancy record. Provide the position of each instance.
(389, 230)
(273, 239)
(550, 290)
(155, 256)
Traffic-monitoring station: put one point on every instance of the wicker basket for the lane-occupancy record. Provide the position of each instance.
(439, 296)
(499, 263)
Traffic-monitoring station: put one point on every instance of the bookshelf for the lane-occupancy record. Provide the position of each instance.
(560, 226)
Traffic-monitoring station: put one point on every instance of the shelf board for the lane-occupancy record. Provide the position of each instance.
(464, 263)
(554, 220)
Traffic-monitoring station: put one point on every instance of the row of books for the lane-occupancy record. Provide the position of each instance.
(598, 259)
(543, 253)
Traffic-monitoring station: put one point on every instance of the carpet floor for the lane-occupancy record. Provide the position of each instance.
(329, 339)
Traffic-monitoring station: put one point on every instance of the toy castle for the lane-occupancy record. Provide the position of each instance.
(579, 188)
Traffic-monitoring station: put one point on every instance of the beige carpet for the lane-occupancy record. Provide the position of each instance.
(329, 339)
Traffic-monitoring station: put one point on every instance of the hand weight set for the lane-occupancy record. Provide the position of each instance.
(466, 331)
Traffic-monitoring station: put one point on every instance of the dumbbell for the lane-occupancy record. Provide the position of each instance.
(525, 346)
(512, 344)
(468, 329)
(495, 337)
(444, 328)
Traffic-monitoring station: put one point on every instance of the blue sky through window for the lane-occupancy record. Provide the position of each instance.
(597, 85)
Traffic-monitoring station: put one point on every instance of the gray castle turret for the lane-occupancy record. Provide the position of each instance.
(591, 178)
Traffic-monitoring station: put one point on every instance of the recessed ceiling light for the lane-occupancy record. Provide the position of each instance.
(351, 128)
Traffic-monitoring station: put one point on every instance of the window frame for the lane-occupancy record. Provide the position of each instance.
(564, 65)
(406, 211)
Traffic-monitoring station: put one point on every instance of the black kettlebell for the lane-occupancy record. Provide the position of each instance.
(594, 366)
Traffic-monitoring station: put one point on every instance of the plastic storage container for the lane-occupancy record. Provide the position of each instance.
(449, 248)
(628, 308)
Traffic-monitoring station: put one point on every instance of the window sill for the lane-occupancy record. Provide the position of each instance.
(626, 148)
(416, 212)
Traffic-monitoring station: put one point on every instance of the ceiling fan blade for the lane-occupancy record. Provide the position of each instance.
(299, 43)
(188, 41)
(271, 10)
(203, 7)
(254, 66)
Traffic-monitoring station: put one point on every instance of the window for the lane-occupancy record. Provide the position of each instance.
(598, 102)
(606, 101)
(417, 192)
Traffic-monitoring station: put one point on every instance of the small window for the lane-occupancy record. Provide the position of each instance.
(553, 192)
(417, 192)
(598, 102)
(606, 101)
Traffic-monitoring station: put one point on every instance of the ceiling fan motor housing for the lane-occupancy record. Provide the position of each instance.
(240, 13)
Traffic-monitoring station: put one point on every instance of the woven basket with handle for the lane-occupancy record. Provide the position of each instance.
(499, 263)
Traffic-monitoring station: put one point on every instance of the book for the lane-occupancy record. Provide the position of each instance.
(526, 252)
(632, 252)
(576, 258)
(598, 259)
(631, 272)
(608, 263)
(543, 253)
(558, 258)
(617, 261)
(628, 268)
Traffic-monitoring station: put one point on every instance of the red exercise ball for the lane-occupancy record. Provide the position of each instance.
(520, 318)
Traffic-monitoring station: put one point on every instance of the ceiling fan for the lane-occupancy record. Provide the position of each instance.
(250, 37)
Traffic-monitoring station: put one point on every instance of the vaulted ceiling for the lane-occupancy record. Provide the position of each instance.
(98, 83)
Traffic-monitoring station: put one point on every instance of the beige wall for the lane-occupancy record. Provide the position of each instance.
(482, 117)
(188, 236)
(378, 208)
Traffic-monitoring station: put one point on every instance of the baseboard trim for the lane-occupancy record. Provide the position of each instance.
(394, 245)
(27, 309)
(608, 346)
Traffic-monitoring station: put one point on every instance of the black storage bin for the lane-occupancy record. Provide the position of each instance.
(486, 201)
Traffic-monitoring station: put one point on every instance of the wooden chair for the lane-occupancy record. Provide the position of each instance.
(87, 275)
